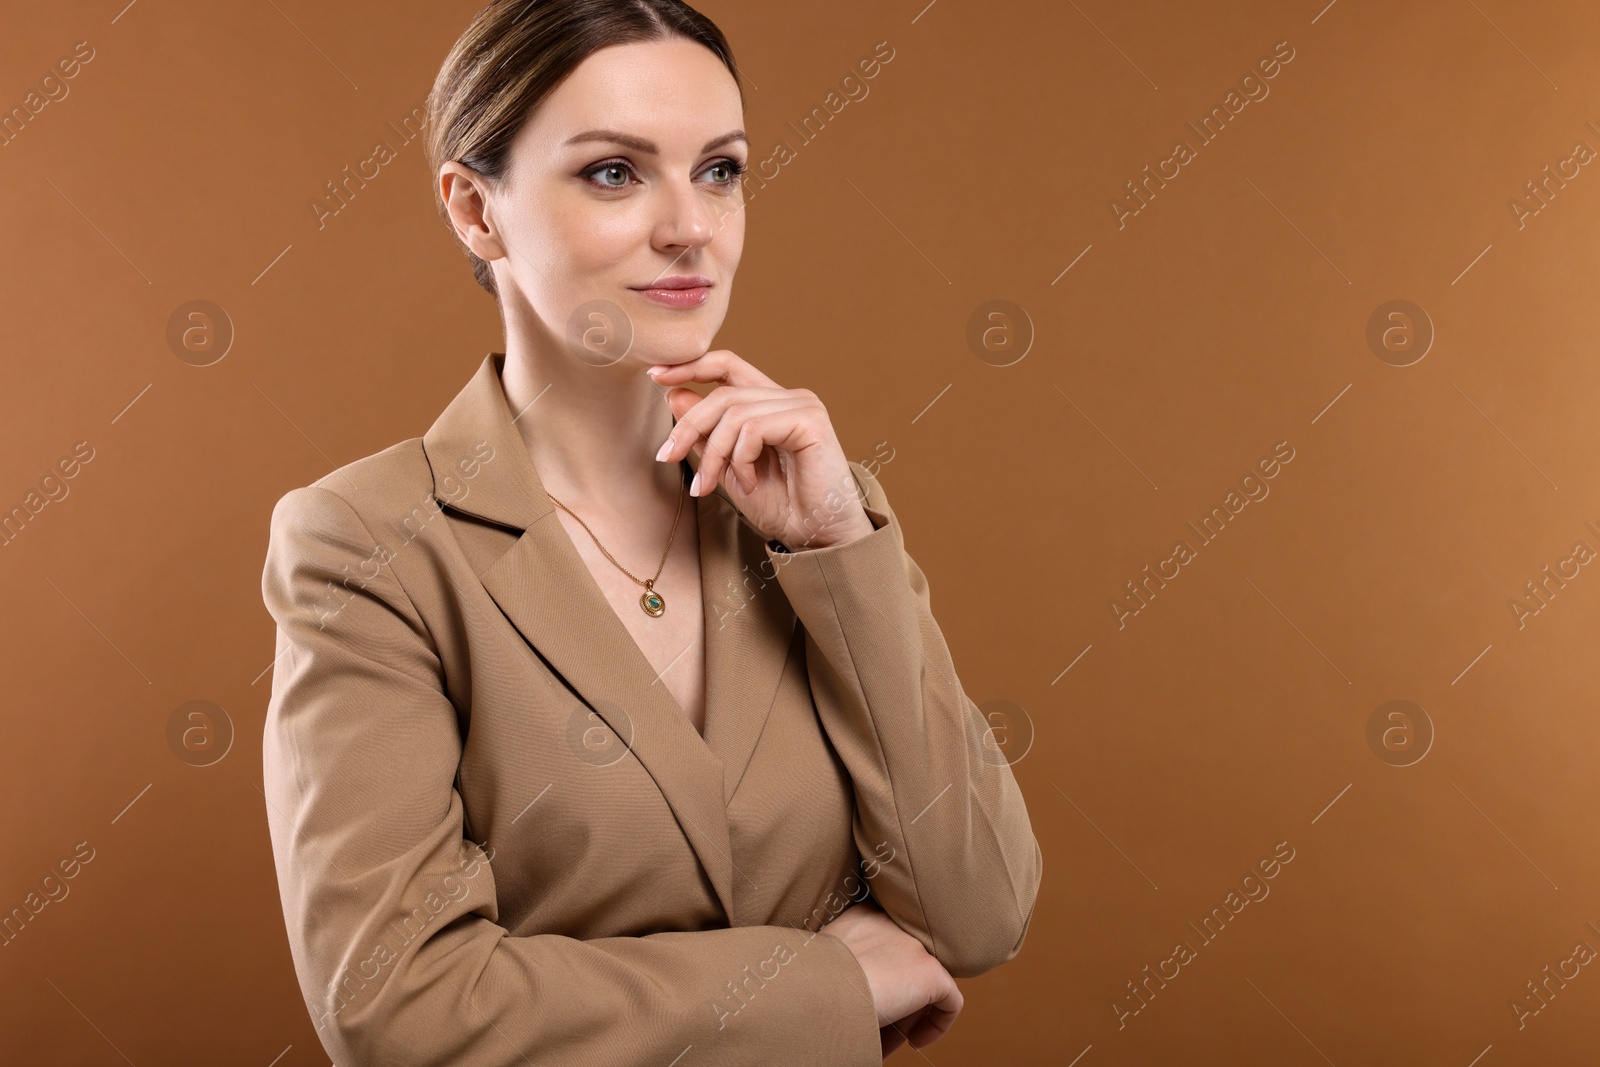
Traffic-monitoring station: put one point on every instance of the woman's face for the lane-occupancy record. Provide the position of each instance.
(625, 178)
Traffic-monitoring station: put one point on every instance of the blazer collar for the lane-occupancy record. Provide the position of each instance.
(547, 592)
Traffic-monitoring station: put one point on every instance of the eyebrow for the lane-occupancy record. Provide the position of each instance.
(639, 144)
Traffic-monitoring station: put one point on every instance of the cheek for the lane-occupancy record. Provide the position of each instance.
(729, 243)
(577, 242)
(570, 237)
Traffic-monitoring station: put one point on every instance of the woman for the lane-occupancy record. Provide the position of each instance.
(562, 769)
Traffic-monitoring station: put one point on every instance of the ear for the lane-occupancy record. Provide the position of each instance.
(463, 191)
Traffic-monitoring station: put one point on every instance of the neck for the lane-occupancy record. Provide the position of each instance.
(592, 432)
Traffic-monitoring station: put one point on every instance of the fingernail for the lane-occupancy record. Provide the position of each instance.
(666, 446)
(653, 371)
(694, 486)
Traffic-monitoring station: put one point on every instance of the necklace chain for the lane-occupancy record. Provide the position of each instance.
(651, 601)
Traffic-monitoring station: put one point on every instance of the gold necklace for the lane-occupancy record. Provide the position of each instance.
(650, 600)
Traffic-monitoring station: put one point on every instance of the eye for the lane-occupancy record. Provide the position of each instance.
(731, 167)
(610, 168)
(616, 173)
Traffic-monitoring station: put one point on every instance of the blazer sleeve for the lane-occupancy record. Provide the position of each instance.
(940, 820)
(391, 912)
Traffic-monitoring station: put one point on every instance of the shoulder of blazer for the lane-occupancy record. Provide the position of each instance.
(387, 490)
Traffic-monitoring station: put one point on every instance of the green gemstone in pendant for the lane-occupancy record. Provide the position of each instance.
(652, 603)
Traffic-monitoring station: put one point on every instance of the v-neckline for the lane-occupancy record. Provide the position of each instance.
(691, 504)
(697, 503)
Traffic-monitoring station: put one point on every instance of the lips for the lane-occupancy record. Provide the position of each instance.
(679, 281)
(679, 291)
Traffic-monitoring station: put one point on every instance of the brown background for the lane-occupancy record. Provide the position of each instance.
(1230, 314)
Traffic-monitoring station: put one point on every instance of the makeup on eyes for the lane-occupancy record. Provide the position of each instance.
(735, 167)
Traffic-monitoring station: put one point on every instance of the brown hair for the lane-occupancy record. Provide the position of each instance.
(514, 54)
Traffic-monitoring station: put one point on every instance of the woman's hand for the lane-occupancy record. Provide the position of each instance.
(915, 996)
(773, 448)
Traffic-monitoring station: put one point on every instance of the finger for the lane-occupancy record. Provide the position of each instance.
(750, 428)
(720, 365)
(951, 1002)
(933, 1025)
(936, 1019)
(739, 439)
(703, 413)
(748, 449)
(904, 1030)
(890, 1038)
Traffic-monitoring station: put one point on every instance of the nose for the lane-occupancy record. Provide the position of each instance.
(684, 223)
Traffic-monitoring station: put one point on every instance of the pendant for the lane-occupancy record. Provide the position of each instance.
(651, 601)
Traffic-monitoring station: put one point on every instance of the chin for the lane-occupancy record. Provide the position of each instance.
(648, 355)
(670, 346)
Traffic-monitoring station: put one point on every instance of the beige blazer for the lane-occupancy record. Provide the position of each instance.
(499, 841)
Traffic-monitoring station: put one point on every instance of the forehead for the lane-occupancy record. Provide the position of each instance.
(674, 92)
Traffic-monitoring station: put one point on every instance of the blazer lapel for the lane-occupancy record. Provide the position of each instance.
(547, 592)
